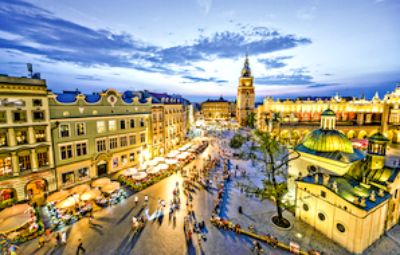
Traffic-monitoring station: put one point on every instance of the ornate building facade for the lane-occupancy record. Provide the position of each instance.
(350, 197)
(216, 109)
(356, 118)
(26, 155)
(98, 134)
(245, 95)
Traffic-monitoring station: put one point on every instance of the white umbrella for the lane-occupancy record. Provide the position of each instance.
(90, 195)
(172, 154)
(129, 171)
(153, 163)
(139, 176)
(153, 170)
(171, 161)
(66, 203)
(80, 189)
(143, 166)
(159, 159)
(163, 166)
(111, 187)
(101, 182)
(60, 195)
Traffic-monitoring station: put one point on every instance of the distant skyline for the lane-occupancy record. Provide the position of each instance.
(196, 48)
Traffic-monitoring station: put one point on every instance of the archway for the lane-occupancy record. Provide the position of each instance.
(35, 191)
(362, 135)
(351, 134)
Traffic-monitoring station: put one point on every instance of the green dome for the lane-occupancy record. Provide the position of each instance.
(328, 112)
(321, 140)
(378, 137)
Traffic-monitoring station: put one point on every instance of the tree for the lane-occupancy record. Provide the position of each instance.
(251, 120)
(236, 141)
(277, 118)
(270, 149)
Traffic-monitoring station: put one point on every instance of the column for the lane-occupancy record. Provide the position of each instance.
(34, 160)
(51, 157)
(385, 118)
(31, 135)
(11, 137)
(360, 119)
(14, 163)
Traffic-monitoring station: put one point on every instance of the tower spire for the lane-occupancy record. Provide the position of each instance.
(246, 72)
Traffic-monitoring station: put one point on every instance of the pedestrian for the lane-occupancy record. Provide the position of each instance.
(58, 238)
(12, 250)
(64, 237)
(80, 247)
(146, 199)
(136, 200)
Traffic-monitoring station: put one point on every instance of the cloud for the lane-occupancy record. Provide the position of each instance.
(205, 5)
(193, 79)
(88, 78)
(322, 85)
(277, 62)
(284, 79)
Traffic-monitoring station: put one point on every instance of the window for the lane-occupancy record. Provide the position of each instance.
(142, 138)
(323, 193)
(321, 216)
(112, 125)
(340, 227)
(305, 207)
(21, 137)
(24, 162)
(142, 122)
(64, 130)
(113, 143)
(123, 141)
(101, 145)
(19, 116)
(83, 173)
(115, 162)
(38, 115)
(132, 157)
(40, 135)
(68, 178)
(132, 123)
(42, 159)
(3, 139)
(101, 127)
(37, 102)
(3, 117)
(124, 159)
(80, 128)
(132, 139)
(81, 149)
(5, 166)
(66, 151)
(122, 124)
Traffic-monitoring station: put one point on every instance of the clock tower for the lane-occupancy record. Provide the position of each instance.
(245, 95)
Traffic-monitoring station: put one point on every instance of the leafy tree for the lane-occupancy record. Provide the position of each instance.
(267, 151)
(251, 120)
(236, 141)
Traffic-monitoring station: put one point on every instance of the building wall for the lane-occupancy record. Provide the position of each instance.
(245, 100)
(362, 228)
(119, 124)
(216, 110)
(26, 153)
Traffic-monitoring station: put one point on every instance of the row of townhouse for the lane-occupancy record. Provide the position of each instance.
(51, 141)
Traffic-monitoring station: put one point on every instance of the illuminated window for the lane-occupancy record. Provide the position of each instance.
(132, 157)
(24, 162)
(5, 166)
(112, 125)
(3, 117)
(21, 137)
(64, 130)
(83, 173)
(80, 128)
(68, 178)
(101, 127)
(43, 160)
(3, 139)
(40, 135)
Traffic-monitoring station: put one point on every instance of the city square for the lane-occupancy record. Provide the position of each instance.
(129, 128)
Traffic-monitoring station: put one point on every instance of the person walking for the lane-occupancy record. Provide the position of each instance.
(80, 247)
(136, 200)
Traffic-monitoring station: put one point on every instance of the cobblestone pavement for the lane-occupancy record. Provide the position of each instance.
(111, 233)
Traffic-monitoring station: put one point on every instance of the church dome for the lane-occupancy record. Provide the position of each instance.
(322, 140)
(328, 112)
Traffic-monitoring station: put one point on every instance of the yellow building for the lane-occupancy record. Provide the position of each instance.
(356, 118)
(349, 197)
(98, 134)
(245, 95)
(216, 109)
(26, 155)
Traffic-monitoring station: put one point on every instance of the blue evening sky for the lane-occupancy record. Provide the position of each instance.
(196, 47)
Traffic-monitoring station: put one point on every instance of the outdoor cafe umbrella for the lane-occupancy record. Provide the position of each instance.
(173, 154)
(101, 182)
(153, 163)
(159, 159)
(139, 176)
(58, 196)
(14, 210)
(111, 187)
(80, 189)
(171, 161)
(153, 170)
(14, 217)
(163, 166)
(67, 203)
(90, 195)
(129, 172)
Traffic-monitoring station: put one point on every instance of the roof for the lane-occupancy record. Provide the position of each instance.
(221, 99)
(165, 98)
(334, 155)
(322, 140)
(328, 112)
(350, 189)
(378, 137)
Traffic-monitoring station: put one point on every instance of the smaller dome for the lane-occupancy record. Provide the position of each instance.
(378, 137)
(328, 112)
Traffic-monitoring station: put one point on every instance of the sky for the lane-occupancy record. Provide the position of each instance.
(196, 48)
